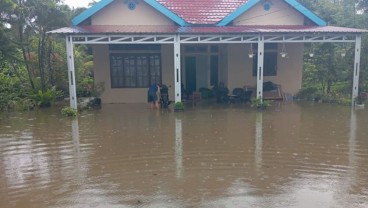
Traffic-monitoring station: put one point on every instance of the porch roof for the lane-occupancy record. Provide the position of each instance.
(249, 29)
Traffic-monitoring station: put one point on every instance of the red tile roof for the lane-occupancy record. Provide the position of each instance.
(202, 11)
(119, 29)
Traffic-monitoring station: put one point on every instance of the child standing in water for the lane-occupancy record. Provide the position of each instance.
(153, 95)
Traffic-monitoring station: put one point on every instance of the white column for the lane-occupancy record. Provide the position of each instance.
(71, 72)
(177, 73)
(260, 67)
(358, 43)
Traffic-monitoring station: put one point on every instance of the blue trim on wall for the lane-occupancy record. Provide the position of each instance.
(165, 11)
(245, 7)
(90, 11)
(306, 12)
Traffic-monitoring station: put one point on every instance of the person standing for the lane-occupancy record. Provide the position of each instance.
(153, 95)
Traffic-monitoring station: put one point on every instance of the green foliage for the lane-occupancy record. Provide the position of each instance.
(44, 99)
(309, 93)
(21, 104)
(345, 101)
(179, 106)
(88, 88)
(12, 91)
(69, 112)
(85, 87)
(259, 103)
(206, 93)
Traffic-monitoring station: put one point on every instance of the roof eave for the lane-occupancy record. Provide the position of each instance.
(245, 7)
(296, 5)
(90, 11)
(167, 12)
(306, 12)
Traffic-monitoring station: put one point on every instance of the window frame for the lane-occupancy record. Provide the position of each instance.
(121, 72)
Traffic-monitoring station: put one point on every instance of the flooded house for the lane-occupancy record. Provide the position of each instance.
(199, 44)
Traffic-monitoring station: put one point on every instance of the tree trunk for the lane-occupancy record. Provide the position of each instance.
(24, 53)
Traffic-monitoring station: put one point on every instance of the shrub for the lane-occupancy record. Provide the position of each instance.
(88, 88)
(44, 99)
(259, 103)
(309, 93)
(69, 112)
(179, 106)
(206, 93)
(344, 101)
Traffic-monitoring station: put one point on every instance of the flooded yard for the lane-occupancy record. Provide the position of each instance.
(298, 155)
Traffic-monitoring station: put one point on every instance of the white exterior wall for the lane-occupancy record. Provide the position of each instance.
(279, 14)
(289, 70)
(117, 13)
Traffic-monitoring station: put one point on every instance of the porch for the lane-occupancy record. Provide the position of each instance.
(247, 40)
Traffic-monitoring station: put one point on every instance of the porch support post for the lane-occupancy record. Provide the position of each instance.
(260, 67)
(358, 43)
(71, 72)
(177, 73)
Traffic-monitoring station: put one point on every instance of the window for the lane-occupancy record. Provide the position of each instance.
(135, 65)
(135, 70)
(270, 60)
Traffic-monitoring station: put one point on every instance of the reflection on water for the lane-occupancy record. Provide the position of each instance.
(293, 155)
(178, 147)
(258, 139)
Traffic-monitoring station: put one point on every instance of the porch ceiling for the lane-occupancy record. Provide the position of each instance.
(112, 34)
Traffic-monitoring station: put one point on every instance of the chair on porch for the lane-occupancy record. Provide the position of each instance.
(237, 95)
(196, 96)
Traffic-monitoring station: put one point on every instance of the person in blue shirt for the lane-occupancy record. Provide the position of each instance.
(153, 95)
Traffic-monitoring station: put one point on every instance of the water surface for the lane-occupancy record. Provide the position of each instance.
(291, 155)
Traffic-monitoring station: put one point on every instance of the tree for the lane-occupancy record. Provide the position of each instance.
(363, 5)
(327, 70)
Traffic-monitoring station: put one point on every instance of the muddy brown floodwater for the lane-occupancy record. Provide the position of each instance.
(298, 155)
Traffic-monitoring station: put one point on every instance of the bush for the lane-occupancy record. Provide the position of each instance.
(88, 88)
(259, 103)
(179, 106)
(309, 93)
(206, 93)
(344, 101)
(12, 91)
(69, 112)
(44, 99)
(21, 104)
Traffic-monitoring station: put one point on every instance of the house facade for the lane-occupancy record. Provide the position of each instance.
(196, 44)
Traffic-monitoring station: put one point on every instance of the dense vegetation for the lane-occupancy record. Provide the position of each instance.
(328, 74)
(33, 63)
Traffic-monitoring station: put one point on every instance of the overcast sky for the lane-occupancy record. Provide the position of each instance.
(77, 3)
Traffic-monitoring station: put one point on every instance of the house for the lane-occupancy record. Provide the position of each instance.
(198, 44)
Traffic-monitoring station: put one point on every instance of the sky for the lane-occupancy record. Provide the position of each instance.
(77, 3)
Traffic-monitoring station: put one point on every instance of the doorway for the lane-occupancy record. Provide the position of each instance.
(190, 74)
(196, 72)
